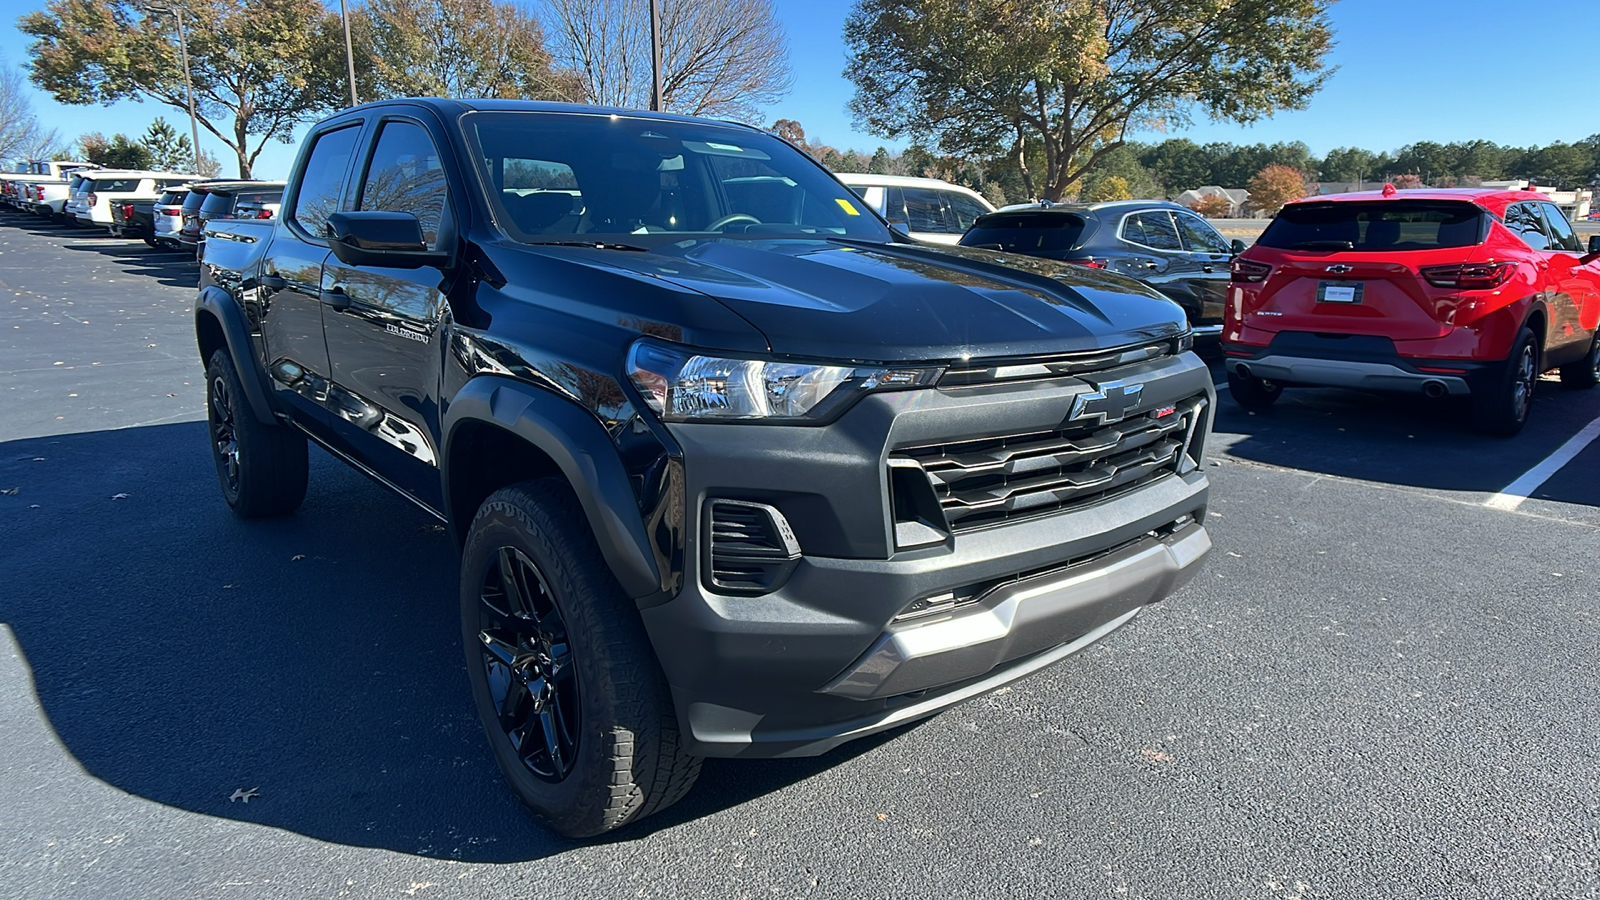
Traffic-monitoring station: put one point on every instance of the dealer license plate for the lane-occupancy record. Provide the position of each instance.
(1339, 291)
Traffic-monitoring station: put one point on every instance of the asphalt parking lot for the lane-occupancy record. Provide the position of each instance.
(1383, 685)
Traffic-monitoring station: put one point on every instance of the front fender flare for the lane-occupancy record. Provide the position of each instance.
(580, 447)
(215, 302)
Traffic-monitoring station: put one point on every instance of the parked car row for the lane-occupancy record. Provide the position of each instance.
(164, 209)
(1466, 293)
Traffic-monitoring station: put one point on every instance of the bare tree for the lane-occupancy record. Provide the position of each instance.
(723, 58)
(21, 135)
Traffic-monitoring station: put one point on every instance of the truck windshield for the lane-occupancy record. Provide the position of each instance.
(1378, 226)
(586, 177)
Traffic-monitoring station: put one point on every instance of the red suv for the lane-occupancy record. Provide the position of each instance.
(1468, 293)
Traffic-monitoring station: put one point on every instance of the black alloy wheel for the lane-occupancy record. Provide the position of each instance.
(224, 439)
(528, 663)
(564, 678)
(261, 468)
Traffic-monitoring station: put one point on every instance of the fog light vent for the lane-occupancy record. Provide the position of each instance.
(750, 547)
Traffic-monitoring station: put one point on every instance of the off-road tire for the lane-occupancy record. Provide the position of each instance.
(267, 473)
(629, 760)
(1585, 373)
(1253, 393)
(1504, 407)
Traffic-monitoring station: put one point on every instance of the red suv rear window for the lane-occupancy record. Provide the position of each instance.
(1379, 226)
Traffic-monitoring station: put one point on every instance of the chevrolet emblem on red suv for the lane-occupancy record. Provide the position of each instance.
(1112, 402)
(1338, 268)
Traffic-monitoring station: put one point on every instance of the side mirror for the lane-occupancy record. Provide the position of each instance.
(384, 239)
(1237, 247)
(1594, 250)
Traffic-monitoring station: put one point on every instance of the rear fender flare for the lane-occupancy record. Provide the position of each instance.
(215, 302)
(575, 440)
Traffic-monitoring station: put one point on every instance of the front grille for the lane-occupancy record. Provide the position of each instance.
(996, 479)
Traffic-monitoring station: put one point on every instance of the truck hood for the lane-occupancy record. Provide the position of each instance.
(839, 299)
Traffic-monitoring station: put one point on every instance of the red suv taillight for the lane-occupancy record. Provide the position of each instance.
(38, 194)
(1245, 270)
(93, 199)
(1469, 276)
(127, 211)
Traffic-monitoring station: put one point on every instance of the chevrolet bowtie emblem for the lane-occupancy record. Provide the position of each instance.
(1337, 268)
(1110, 403)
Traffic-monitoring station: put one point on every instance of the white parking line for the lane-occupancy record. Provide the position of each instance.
(1512, 495)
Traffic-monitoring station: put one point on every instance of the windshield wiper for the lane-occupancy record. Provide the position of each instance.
(593, 245)
(1324, 245)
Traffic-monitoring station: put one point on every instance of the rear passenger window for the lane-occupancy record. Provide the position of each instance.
(404, 175)
(322, 180)
(1561, 234)
(1198, 236)
(964, 209)
(925, 212)
(1524, 220)
(1153, 230)
(108, 185)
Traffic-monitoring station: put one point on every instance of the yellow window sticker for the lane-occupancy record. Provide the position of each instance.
(845, 205)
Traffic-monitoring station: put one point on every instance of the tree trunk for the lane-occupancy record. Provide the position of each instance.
(241, 146)
(1022, 163)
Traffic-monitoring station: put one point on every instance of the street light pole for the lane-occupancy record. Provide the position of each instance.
(188, 90)
(349, 54)
(188, 82)
(655, 55)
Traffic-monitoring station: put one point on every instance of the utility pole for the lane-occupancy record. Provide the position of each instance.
(188, 90)
(655, 55)
(188, 83)
(349, 53)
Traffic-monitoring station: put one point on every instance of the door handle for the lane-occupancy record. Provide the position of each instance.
(335, 297)
(273, 282)
(1208, 268)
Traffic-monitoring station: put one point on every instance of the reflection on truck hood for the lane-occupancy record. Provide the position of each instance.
(856, 300)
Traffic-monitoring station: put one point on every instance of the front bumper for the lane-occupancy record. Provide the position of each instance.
(822, 658)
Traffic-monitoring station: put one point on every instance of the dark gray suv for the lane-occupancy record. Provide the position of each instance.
(1162, 244)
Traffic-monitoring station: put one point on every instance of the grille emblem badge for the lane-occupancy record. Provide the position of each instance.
(1338, 268)
(1111, 403)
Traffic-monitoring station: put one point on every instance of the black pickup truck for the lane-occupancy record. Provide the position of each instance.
(736, 469)
(134, 219)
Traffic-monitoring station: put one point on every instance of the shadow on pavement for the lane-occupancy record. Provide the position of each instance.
(1404, 440)
(181, 654)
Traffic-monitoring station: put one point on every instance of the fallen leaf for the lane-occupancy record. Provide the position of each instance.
(1154, 755)
(883, 817)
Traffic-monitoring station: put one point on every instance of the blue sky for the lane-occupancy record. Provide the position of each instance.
(1409, 70)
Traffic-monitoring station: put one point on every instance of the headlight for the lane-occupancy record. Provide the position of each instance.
(682, 386)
